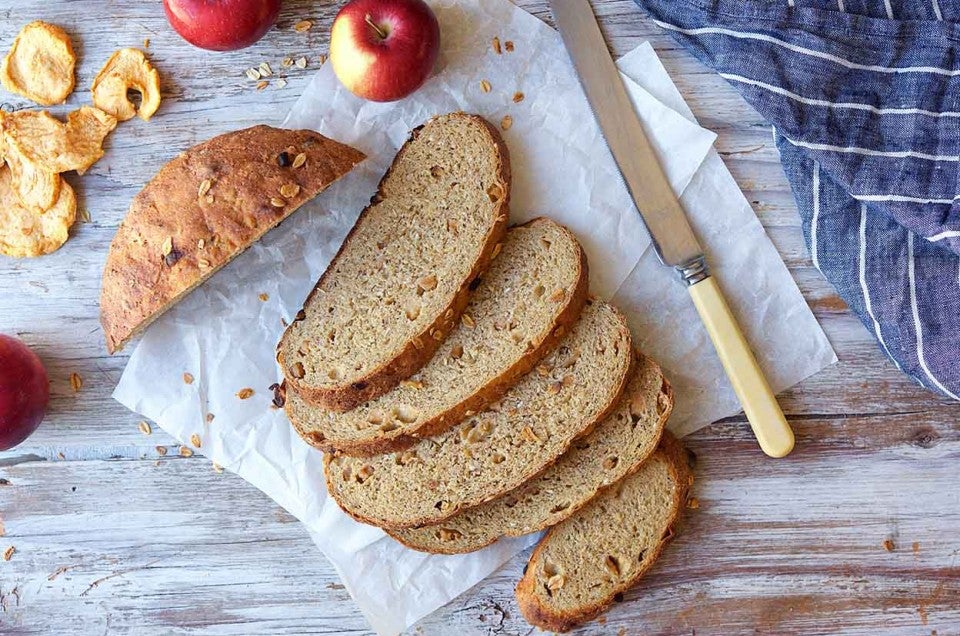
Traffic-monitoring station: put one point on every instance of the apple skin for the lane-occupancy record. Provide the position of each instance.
(383, 50)
(222, 25)
(24, 392)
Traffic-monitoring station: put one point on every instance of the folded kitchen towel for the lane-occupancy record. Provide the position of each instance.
(864, 98)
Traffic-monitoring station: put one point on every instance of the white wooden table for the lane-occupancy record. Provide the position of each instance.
(111, 538)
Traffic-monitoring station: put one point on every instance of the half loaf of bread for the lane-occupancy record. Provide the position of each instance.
(403, 275)
(536, 284)
(616, 448)
(203, 209)
(583, 564)
(495, 451)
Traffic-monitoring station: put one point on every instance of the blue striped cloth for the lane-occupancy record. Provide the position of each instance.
(864, 98)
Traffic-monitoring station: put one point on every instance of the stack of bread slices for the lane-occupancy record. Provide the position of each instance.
(465, 386)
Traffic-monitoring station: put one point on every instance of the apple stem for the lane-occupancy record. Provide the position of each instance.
(375, 27)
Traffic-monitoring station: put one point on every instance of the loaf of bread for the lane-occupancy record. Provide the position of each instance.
(495, 451)
(586, 562)
(204, 208)
(537, 284)
(403, 275)
(616, 448)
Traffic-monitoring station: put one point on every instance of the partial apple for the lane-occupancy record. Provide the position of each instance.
(383, 50)
(222, 25)
(24, 392)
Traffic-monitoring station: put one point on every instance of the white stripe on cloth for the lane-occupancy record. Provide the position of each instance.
(840, 6)
(815, 221)
(936, 9)
(943, 235)
(863, 282)
(886, 4)
(747, 35)
(822, 102)
(912, 277)
(870, 152)
(900, 198)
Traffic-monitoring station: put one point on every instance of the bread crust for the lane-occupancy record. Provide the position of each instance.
(665, 397)
(537, 614)
(205, 232)
(535, 471)
(410, 358)
(486, 395)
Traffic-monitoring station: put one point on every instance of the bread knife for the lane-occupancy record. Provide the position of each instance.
(665, 219)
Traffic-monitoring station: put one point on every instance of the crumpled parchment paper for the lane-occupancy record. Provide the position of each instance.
(224, 335)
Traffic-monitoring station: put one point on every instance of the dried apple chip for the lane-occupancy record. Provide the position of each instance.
(127, 69)
(36, 188)
(54, 146)
(40, 64)
(86, 130)
(25, 232)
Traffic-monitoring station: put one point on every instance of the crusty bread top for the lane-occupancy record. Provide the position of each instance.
(537, 283)
(202, 209)
(402, 276)
(498, 450)
(583, 563)
(617, 447)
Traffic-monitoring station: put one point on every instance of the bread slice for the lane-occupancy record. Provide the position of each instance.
(617, 447)
(536, 284)
(204, 208)
(404, 273)
(496, 451)
(583, 564)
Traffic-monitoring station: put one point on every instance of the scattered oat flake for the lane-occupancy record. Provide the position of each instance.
(518, 97)
(186, 451)
(167, 246)
(265, 70)
(496, 46)
(84, 215)
(8, 553)
(322, 59)
(303, 26)
(506, 122)
(195, 440)
(693, 503)
(277, 202)
(485, 86)
(289, 190)
(205, 186)
(287, 62)
(264, 297)
(508, 45)
(161, 450)
(210, 417)
(301, 62)
(262, 85)
(299, 160)
(281, 83)
(217, 468)
(253, 74)
(888, 545)
(144, 427)
(244, 394)
(76, 382)
(188, 378)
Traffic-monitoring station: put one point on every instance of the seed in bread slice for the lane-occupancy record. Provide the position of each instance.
(496, 451)
(536, 284)
(582, 564)
(616, 448)
(204, 208)
(403, 275)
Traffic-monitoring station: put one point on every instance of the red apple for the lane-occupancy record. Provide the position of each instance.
(383, 50)
(222, 25)
(24, 392)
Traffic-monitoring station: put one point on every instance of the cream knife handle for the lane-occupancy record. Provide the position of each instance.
(759, 404)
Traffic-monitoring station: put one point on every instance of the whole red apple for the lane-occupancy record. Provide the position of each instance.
(24, 392)
(222, 25)
(383, 50)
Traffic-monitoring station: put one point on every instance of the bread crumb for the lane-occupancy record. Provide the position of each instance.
(508, 45)
(693, 503)
(244, 394)
(888, 545)
(210, 417)
(146, 43)
(188, 378)
(518, 97)
(916, 548)
(264, 297)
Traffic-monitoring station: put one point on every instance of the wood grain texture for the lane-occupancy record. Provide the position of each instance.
(109, 542)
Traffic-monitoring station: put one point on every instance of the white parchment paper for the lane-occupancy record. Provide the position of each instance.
(224, 334)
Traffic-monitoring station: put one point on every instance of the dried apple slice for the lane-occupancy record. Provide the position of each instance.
(54, 146)
(40, 64)
(127, 69)
(25, 232)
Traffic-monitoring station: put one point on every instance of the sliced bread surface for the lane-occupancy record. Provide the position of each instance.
(403, 275)
(204, 208)
(616, 448)
(498, 450)
(537, 283)
(583, 563)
